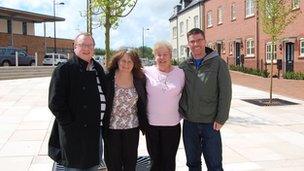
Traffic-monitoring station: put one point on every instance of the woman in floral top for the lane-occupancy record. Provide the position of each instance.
(126, 111)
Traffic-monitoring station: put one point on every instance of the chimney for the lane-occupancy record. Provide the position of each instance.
(177, 8)
(185, 3)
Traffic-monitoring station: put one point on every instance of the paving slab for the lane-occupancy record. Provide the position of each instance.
(254, 138)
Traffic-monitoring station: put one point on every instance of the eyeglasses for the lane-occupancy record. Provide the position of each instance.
(90, 46)
(196, 41)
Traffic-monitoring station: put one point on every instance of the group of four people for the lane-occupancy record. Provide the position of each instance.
(90, 105)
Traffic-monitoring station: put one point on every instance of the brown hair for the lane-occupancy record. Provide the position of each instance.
(137, 68)
(195, 31)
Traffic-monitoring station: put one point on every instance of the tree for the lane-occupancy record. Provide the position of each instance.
(99, 51)
(275, 15)
(147, 50)
(110, 13)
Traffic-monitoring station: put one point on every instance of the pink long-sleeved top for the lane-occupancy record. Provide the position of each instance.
(164, 91)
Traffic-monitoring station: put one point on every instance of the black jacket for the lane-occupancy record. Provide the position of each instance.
(140, 86)
(74, 100)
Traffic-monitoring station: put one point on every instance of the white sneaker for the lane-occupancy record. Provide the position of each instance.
(102, 165)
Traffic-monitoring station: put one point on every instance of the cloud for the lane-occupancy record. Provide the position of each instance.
(147, 14)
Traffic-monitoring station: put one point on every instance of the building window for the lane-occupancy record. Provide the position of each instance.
(250, 47)
(209, 19)
(295, 4)
(269, 53)
(174, 53)
(174, 31)
(24, 28)
(249, 8)
(195, 22)
(181, 27)
(210, 45)
(182, 51)
(187, 25)
(233, 12)
(230, 48)
(220, 15)
(9, 26)
(302, 47)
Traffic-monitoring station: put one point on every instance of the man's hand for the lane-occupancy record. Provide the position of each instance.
(217, 126)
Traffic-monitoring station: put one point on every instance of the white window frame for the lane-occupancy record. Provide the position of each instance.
(249, 8)
(209, 19)
(302, 47)
(233, 11)
(182, 51)
(220, 15)
(174, 31)
(210, 45)
(195, 22)
(295, 4)
(268, 53)
(230, 48)
(181, 28)
(250, 47)
(187, 25)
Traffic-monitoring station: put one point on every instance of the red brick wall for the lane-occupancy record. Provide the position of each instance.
(245, 28)
(34, 43)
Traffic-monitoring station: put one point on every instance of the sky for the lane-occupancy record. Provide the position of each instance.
(150, 14)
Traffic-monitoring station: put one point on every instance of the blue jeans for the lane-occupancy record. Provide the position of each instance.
(202, 138)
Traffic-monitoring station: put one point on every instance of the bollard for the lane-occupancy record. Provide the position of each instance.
(53, 55)
(36, 59)
(16, 58)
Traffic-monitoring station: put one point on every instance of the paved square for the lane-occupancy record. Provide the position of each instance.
(254, 138)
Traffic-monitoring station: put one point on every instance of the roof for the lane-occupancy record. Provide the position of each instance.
(27, 16)
(191, 5)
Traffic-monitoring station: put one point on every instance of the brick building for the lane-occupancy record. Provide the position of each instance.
(233, 29)
(17, 29)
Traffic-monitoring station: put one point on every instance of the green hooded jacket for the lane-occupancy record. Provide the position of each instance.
(207, 93)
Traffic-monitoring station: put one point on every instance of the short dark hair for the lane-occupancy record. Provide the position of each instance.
(195, 31)
(137, 68)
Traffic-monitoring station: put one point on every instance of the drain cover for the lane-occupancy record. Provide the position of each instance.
(265, 102)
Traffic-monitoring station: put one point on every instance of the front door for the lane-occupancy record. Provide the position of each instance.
(237, 53)
(289, 56)
(219, 48)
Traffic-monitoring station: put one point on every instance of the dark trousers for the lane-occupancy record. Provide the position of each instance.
(162, 145)
(202, 138)
(121, 149)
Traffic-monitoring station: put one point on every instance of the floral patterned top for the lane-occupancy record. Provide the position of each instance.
(124, 114)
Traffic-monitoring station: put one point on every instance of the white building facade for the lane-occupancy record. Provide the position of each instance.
(187, 15)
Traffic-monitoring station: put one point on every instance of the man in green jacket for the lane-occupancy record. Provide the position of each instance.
(205, 103)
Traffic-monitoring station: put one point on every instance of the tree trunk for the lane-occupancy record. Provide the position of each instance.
(107, 36)
(271, 68)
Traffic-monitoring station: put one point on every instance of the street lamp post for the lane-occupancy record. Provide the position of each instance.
(143, 41)
(54, 7)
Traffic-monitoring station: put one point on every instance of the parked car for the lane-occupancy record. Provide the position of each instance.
(8, 57)
(100, 59)
(59, 58)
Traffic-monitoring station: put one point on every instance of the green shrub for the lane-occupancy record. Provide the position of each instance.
(294, 75)
(263, 73)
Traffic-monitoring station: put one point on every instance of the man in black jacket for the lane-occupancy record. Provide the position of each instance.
(77, 100)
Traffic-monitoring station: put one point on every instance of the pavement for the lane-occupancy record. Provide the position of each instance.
(254, 138)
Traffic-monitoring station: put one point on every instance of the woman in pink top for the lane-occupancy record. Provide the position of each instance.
(164, 86)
